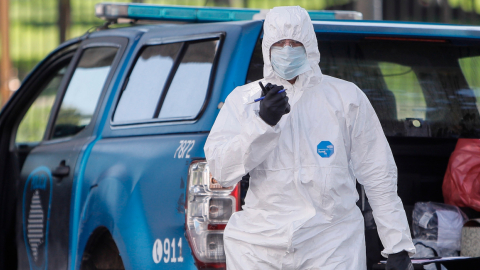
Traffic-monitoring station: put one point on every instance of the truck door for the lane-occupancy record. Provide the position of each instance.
(22, 125)
(51, 167)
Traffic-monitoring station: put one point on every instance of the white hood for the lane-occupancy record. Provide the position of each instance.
(291, 23)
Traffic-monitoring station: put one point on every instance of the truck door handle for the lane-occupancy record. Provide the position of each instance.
(61, 171)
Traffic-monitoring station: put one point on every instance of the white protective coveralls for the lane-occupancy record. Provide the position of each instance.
(300, 210)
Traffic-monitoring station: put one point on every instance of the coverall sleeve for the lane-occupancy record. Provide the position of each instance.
(238, 142)
(374, 167)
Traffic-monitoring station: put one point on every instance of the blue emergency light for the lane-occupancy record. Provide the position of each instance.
(136, 11)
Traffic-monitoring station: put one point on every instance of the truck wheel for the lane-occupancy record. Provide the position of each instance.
(101, 252)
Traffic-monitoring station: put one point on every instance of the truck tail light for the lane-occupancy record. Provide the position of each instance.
(208, 207)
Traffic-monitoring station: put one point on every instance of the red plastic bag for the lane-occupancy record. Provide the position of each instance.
(461, 185)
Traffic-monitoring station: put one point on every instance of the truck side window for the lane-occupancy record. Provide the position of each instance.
(470, 67)
(83, 91)
(404, 84)
(186, 94)
(418, 88)
(146, 82)
(168, 82)
(33, 125)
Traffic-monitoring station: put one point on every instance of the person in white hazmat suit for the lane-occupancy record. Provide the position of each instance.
(300, 210)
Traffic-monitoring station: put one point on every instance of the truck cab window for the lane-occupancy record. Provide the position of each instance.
(33, 125)
(83, 91)
(191, 80)
(168, 82)
(470, 67)
(146, 82)
(403, 83)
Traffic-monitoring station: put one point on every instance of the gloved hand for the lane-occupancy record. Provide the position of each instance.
(274, 106)
(399, 261)
(267, 88)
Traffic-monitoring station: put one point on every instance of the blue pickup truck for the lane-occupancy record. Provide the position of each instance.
(101, 149)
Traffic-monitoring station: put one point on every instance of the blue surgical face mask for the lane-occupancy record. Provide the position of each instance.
(289, 62)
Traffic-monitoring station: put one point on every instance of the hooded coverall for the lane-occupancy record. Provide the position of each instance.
(300, 210)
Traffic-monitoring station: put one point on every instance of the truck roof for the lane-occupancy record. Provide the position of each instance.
(382, 28)
(323, 20)
(373, 29)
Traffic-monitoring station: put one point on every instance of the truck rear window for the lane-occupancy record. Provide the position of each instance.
(419, 88)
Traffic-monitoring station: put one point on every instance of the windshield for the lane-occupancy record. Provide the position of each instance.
(418, 88)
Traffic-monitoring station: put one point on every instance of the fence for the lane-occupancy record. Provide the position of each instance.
(38, 26)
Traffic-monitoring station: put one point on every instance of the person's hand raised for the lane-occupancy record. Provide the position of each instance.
(275, 104)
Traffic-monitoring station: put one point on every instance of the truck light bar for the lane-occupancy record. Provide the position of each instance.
(135, 11)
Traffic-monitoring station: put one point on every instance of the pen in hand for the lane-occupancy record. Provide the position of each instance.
(263, 90)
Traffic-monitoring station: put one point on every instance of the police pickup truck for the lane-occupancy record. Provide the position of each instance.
(101, 149)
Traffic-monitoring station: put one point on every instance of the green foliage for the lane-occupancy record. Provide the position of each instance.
(33, 125)
(470, 67)
(70, 116)
(404, 84)
(34, 31)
